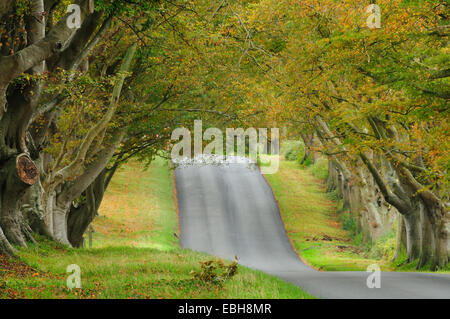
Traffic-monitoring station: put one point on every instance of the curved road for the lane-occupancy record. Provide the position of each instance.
(228, 210)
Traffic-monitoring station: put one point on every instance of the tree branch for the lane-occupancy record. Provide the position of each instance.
(73, 167)
(389, 196)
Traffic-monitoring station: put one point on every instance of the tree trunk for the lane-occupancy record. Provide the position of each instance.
(413, 235)
(440, 233)
(16, 176)
(441, 255)
(60, 222)
(309, 140)
(398, 239)
(34, 212)
(332, 176)
(428, 242)
(81, 217)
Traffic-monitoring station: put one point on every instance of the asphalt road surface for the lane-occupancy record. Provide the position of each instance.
(230, 210)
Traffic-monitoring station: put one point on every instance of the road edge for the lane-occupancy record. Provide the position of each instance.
(306, 262)
(175, 199)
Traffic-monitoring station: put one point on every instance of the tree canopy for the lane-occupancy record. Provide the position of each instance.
(77, 102)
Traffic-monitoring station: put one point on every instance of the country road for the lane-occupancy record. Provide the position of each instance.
(228, 210)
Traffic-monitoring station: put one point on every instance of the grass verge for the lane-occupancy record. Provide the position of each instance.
(311, 222)
(316, 230)
(138, 209)
(134, 254)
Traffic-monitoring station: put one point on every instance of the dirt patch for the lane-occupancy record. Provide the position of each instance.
(327, 238)
(335, 224)
(353, 249)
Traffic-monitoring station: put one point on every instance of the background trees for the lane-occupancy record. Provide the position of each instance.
(374, 98)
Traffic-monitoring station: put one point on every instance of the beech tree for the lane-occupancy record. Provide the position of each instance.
(377, 100)
(36, 53)
(75, 105)
(26, 46)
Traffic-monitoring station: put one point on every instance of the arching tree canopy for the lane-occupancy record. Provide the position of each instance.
(77, 102)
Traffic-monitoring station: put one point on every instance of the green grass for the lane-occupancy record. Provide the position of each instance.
(138, 209)
(311, 221)
(400, 265)
(134, 254)
(320, 168)
(311, 217)
(130, 272)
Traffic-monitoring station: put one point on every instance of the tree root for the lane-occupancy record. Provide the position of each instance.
(5, 246)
